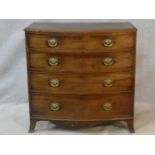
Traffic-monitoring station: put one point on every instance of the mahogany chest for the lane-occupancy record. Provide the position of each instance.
(81, 73)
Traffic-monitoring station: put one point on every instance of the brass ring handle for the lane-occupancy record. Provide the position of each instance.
(54, 106)
(53, 61)
(54, 83)
(108, 42)
(108, 61)
(108, 83)
(107, 106)
(52, 42)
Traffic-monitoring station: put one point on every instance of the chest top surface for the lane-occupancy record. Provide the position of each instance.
(80, 27)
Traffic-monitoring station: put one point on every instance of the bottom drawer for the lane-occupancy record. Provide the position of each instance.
(85, 107)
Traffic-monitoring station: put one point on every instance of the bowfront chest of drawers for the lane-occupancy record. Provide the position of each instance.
(81, 73)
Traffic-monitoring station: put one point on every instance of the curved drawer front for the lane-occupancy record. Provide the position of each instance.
(62, 41)
(105, 62)
(81, 83)
(75, 107)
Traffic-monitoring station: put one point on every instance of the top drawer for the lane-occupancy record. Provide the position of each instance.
(63, 41)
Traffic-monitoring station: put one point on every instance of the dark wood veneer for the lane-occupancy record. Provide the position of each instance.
(81, 72)
(83, 83)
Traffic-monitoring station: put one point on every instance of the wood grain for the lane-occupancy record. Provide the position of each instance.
(81, 42)
(81, 83)
(80, 28)
(81, 72)
(123, 61)
(74, 107)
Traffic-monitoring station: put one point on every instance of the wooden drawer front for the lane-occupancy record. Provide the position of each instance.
(105, 62)
(63, 42)
(122, 41)
(75, 107)
(82, 83)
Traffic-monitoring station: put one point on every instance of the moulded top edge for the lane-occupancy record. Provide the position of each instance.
(80, 27)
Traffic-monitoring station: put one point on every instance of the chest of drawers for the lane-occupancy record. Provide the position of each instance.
(81, 73)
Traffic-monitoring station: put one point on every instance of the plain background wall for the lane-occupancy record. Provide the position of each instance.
(13, 78)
